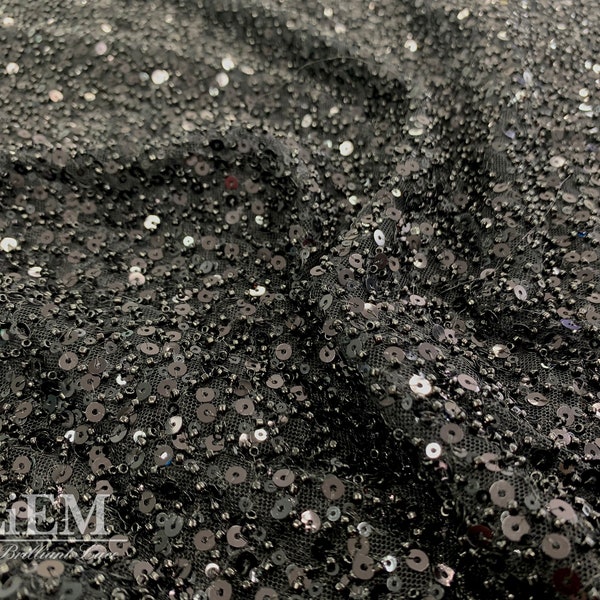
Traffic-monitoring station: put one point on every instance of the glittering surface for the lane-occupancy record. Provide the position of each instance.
(309, 291)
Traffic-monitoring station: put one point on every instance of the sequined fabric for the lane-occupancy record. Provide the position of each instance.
(308, 291)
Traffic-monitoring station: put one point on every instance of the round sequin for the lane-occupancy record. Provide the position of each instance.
(204, 540)
(502, 493)
(417, 560)
(433, 450)
(468, 382)
(333, 488)
(420, 385)
(394, 354)
(283, 478)
(515, 527)
(556, 546)
(68, 361)
(346, 148)
(451, 434)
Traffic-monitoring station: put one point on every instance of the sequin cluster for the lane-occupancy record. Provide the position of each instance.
(319, 318)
